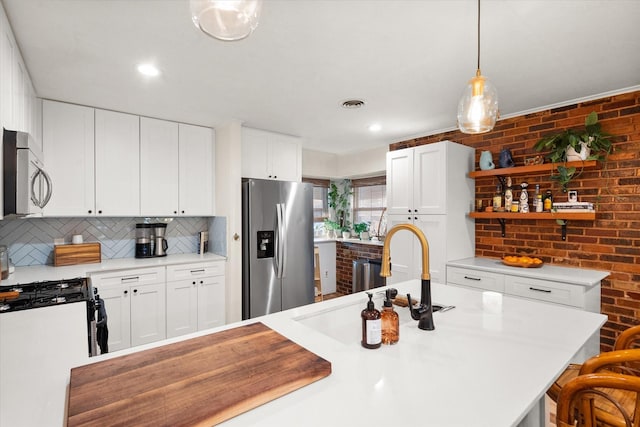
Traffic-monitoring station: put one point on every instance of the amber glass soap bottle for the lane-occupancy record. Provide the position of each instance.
(390, 320)
(371, 325)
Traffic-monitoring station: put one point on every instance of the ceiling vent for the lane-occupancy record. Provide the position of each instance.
(353, 103)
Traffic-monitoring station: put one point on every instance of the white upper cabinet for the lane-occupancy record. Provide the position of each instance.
(158, 167)
(176, 167)
(416, 180)
(117, 164)
(196, 170)
(68, 145)
(429, 179)
(268, 155)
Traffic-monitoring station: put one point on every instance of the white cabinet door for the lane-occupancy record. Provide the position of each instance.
(430, 179)
(211, 311)
(402, 251)
(268, 155)
(434, 228)
(285, 158)
(116, 304)
(148, 313)
(255, 154)
(406, 251)
(68, 139)
(158, 167)
(400, 182)
(117, 146)
(182, 307)
(196, 168)
(7, 55)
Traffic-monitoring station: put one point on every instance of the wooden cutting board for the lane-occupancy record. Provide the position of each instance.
(199, 382)
(83, 253)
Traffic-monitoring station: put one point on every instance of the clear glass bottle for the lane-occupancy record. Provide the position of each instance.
(371, 325)
(508, 196)
(390, 321)
(497, 199)
(538, 199)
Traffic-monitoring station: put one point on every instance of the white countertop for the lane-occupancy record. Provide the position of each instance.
(576, 276)
(37, 273)
(478, 368)
(353, 240)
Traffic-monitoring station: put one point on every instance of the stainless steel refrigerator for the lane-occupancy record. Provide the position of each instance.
(277, 246)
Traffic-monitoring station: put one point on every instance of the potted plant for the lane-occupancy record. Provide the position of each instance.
(331, 227)
(346, 232)
(570, 145)
(362, 230)
(339, 202)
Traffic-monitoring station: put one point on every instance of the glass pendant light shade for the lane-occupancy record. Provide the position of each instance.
(226, 19)
(478, 106)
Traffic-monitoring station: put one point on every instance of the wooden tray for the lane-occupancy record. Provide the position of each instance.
(83, 253)
(202, 381)
(522, 264)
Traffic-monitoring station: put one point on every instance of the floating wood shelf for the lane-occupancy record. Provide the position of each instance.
(531, 170)
(563, 217)
(587, 216)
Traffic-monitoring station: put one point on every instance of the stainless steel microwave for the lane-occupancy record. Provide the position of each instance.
(27, 187)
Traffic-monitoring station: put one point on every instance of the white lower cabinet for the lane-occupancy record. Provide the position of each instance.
(570, 287)
(448, 237)
(195, 297)
(135, 302)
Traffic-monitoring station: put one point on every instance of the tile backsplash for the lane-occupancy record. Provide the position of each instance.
(30, 241)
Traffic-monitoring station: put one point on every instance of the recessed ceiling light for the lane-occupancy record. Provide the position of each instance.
(148, 70)
(353, 103)
(375, 127)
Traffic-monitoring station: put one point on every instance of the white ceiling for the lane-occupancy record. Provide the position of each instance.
(408, 60)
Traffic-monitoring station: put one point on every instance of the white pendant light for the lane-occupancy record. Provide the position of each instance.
(478, 106)
(226, 19)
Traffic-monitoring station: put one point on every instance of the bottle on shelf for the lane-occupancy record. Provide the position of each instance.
(390, 319)
(538, 199)
(497, 199)
(524, 198)
(508, 195)
(371, 325)
(547, 201)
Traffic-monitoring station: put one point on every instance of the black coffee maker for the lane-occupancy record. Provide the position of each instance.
(144, 235)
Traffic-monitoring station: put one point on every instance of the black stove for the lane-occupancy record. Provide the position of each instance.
(45, 293)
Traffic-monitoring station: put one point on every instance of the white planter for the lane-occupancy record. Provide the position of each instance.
(346, 234)
(364, 235)
(574, 156)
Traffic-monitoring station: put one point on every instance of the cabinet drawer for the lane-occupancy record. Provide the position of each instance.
(545, 290)
(189, 271)
(139, 276)
(475, 279)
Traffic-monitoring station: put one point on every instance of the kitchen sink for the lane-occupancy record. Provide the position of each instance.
(342, 322)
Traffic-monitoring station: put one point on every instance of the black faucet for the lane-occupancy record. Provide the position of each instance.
(424, 311)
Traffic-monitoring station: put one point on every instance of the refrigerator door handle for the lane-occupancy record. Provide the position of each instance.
(280, 247)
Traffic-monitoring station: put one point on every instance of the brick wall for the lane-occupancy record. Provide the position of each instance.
(612, 241)
(346, 253)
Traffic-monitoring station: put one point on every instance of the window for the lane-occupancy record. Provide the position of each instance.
(320, 200)
(369, 201)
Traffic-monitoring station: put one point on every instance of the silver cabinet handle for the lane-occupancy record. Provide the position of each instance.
(201, 270)
(129, 279)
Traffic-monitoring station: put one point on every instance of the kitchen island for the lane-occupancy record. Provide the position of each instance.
(484, 365)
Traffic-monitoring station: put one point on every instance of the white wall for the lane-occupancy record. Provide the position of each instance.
(318, 164)
(229, 205)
